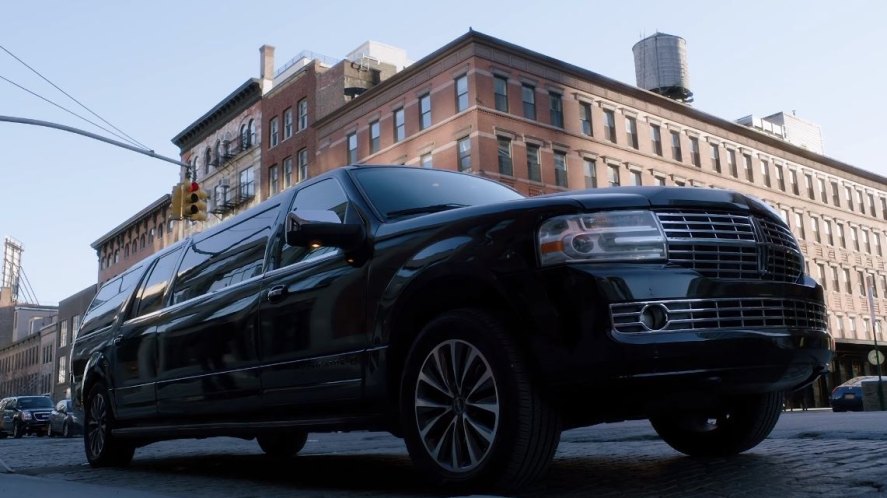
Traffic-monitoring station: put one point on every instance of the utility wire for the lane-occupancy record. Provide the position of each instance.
(131, 140)
(70, 111)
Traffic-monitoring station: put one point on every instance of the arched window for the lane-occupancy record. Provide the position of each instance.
(207, 158)
(252, 132)
(218, 153)
(244, 137)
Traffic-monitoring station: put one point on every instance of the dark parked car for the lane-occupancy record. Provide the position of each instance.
(65, 420)
(848, 396)
(448, 309)
(24, 415)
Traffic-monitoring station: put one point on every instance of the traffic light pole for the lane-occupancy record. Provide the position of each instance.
(47, 124)
(871, 292)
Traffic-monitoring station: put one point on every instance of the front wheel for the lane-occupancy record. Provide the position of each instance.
(470, 413)
(739, 424)
(102, 448)
(17, 430)
(66, 430)
(284, 445)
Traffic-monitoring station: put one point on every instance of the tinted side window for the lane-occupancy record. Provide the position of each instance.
(150, 294)
(107, 301)
(225, 258)
(322, 196)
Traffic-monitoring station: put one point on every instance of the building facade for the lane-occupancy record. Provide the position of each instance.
(71, 310)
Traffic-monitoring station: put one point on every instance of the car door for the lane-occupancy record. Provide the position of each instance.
(6, 423)
(135, 343)
(313, 315)
(207, 359)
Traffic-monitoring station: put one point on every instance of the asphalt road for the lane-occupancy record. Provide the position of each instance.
(813, 453)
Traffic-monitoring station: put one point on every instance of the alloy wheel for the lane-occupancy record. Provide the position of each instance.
(457, 406)
(97, 425)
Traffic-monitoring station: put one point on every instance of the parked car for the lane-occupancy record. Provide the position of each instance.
(25, 415)
(65, 420)
(448, 309)
(848, 396)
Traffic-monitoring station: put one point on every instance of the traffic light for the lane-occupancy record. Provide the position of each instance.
(177, 206)
(194, 204)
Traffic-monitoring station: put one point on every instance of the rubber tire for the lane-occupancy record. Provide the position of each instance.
(282, 446)
(751, 418)
(529, 428)
(17, 430)
(111, 451)
(66, 430)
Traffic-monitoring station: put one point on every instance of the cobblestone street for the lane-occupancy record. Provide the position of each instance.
(814, 453)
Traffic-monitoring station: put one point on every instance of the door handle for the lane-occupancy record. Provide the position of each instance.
(118, 340)
(276, 293)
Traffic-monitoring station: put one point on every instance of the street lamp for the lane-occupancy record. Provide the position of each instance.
(871, 292)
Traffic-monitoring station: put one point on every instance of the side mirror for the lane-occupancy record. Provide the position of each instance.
(309, 228)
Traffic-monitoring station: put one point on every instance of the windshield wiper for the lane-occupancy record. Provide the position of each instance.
(423, 209)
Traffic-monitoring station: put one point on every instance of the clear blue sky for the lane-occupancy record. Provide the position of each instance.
(152, 68)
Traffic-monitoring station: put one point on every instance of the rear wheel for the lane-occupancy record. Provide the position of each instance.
(102, 448)
(739, 425)
(284, 445)
(66, 430)
(470, 413)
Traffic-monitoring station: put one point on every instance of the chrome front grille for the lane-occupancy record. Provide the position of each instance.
(731, 246)
(41, 416)
(696, 314)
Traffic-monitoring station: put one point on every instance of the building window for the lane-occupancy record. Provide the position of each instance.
(590, 167)
(872, 205)
(287, 123)
(399, 128)
(836, 196)
(461, 93)
(749, 170)
(793, 180)
(845, 276)
(877, 239)
(827, 228)
(585, 118)
(534, 171)
(613, 175)
(660, 180)
(63, 370)
(814, 227)
(799, 226)
(303, 114)
(424, 111)
(656, 138)
(636, 178)
(631, 131)
(695, 157)
(528, 96)
(884, 207)
(839, 229)
(854, 238)
(780, 179)
(505, 163)
(351, 141)
(560, 169)
(274, 133)
(63, 333)
(374, 137)
(556, 109)
(273, 179)
(835, 284)
(765, 173)
(849, 197)
(247, 184)
(715, 158)
(676, 146)
(808, 182)
(425, 160)
(303, 165)
(822, 277)
(610, 125)
(823, 193)
(731, 163)
(464, 146)
(287, 172)
(500, 93)
(860, 278)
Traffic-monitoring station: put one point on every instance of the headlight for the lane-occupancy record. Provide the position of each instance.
(26, 415)
(602, 236)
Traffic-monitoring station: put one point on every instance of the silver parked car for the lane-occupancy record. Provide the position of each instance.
(65, 420)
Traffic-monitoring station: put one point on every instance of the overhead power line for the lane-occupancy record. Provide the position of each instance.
(122, 135)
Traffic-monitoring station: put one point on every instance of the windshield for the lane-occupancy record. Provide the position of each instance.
(36, 402)
(399, 191)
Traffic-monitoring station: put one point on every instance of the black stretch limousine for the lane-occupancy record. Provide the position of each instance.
(451, 311)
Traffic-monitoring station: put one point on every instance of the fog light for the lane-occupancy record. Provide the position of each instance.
(654, 316)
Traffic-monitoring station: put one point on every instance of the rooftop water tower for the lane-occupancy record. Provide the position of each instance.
(660, 64)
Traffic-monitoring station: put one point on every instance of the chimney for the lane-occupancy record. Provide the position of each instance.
(266, 69)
